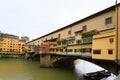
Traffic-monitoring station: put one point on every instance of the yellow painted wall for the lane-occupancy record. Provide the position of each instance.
(96, 23)
(8, 44)
(119, 32)
(21, 47)
(101, 42)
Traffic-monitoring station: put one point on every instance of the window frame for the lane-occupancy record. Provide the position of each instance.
(108, 20)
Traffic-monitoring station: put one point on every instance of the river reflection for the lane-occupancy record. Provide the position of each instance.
(17, 69)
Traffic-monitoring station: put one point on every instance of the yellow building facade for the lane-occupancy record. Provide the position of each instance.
(104, 46)
(87, 36)
(118, 22)
(10, 44)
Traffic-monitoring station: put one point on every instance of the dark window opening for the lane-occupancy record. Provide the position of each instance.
(96, 51)
(111, 40)
(69, 32)
(84, 27)
(75, 50)
(110, 51)
(59, 35)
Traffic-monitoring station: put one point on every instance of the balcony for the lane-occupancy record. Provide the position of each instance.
(84, 40)
(53, 43)
(51, 46)
(87, 40)
(64, 42)
(79, 42)
(71, 38)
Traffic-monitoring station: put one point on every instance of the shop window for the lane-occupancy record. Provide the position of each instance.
(61, 50)
(88, 50)
(82, 50)
(70, 50)
(75, 50)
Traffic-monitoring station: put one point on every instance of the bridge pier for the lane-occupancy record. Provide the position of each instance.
(57, 60)
(47, 60)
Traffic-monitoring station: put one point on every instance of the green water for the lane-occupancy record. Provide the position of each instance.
(18, 69)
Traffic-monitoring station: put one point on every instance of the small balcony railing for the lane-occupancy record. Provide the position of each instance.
(87, 40)
(71, 38)
(84, 40)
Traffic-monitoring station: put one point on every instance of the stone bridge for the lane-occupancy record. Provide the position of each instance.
(66, 60)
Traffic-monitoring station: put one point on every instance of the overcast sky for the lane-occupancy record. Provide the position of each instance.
(34, 18)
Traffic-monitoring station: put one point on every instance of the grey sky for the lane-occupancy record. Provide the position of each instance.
(34, 18)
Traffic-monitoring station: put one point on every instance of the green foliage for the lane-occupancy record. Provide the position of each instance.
(5, 57)
(90, 33)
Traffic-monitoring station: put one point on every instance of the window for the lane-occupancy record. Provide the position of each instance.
(84, 27)
(59, 35)
(108, 20)
(61, 50)
(110, 51)
(0, 49)
(51, 37)
(111, 40)
(88, 50)
(69, 32)
(69, 50)
(75, 50)
(56, 50)
(96, 51)
(82, 50)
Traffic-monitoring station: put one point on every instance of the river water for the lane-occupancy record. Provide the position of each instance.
(18, 69)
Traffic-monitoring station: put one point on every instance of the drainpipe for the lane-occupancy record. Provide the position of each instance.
(116, 7)
(116, 32)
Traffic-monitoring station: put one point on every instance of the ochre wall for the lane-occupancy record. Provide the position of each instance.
(119, 32)
(102, 42)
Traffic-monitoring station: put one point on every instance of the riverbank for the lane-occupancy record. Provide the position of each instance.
(6, 57)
